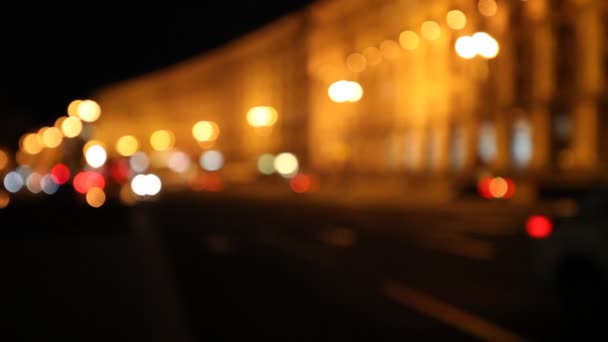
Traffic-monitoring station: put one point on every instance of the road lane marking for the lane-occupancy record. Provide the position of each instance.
(448, 314)
(459, 245)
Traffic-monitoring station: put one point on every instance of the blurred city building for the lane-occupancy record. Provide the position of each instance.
(447, 91)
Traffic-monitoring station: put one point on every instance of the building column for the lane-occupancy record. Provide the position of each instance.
(502, 124)
(540, 117)
(587, 25)
(543, 89)
(585, 143)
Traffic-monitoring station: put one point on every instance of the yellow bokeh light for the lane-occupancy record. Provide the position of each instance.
(286, 164)
(486, 46)
(41, 132)
(5, 199)
(73, 108)
(465, 47)
(71, 127)
(389, 49)
(3, 159)
(487, 8)
(88, 111)
(127, 145)
(95, 197)
(60, 121)
(372, 55)
(52, 137)
(430, 30)
(345, 91)
(356, 91)
(262, 116)
(338, 91)
(204, 131)
(456, 20)
(31, 143)
(408, 40)
(162, 140)
(356, 62)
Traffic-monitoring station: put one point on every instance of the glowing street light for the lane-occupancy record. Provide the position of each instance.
(127, 145)
(31, 143)
(487, 46)
(88, 111)
(51, 137)
(456, 19)
(345, 91)
(71, 127)
(162, 140)
(286, 164)
(262, 116)
(95, 154)
(465, 47)
(480, 44)
(205, 131)
(73, 108)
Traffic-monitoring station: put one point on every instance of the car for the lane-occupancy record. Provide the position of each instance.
(568, 243)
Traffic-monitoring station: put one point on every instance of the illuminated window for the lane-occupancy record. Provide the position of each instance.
(458, 147)
(561, 135)
(433, 147)
(412, 149)
(521, 143)
(486, 147)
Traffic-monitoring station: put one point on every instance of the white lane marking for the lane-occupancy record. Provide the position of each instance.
(448, 314)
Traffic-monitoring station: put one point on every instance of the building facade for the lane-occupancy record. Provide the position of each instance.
(264, 68)
(535, 111)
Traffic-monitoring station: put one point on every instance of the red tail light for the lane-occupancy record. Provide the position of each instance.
(539, 226)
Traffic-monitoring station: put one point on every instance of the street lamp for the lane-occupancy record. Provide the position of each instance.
(479, 44)
(262, 116)
(345, 91)
(205, 131)
(88, 110)
(487, 46)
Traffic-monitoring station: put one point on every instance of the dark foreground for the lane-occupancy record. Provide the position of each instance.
(196, 268)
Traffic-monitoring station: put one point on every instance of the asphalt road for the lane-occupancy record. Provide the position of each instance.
(309, 273)
(202, 268)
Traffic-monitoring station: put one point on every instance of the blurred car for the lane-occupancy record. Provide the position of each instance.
(569, 246)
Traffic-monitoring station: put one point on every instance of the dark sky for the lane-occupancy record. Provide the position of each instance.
(51, 56)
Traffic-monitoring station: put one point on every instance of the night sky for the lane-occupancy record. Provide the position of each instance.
(49, 58)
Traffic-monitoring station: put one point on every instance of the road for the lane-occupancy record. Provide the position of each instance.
(323, 273)
(194, 267)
